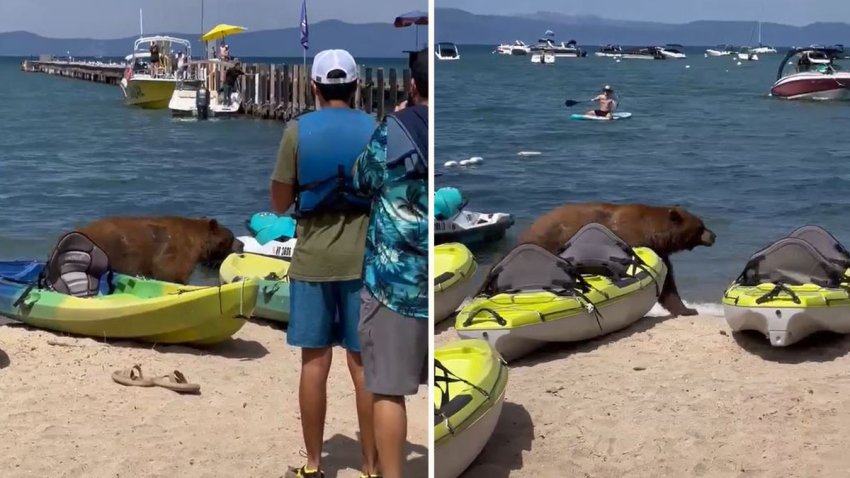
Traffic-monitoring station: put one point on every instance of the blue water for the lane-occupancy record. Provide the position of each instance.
(706, 137)
(71, 151)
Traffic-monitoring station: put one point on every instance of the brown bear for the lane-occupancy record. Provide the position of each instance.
(166, 248)
(665, 230)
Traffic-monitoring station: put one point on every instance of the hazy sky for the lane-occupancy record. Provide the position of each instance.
(120, 18)
(793, 12)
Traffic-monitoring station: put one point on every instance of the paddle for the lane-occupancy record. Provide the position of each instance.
(569, 103)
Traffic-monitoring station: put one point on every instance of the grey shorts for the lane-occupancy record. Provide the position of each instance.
(394, 348)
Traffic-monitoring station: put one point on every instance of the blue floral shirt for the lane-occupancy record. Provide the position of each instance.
(395, 269)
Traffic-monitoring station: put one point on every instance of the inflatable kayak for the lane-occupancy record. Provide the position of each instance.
(273, 287)
(615, 116)
(469, 390)
(67, 295)
(271, 235)
(454, 224)
(595, 285)
(792, 288)
(454, 272)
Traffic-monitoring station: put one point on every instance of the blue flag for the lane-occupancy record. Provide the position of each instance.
(304, 31)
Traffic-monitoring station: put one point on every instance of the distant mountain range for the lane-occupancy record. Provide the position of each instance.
(375, 40)
(463, 27)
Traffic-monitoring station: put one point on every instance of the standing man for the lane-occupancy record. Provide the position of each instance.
(313, 172)
(394, 329)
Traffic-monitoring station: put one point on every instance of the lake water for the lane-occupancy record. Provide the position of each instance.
(707, 137)
(71, 151)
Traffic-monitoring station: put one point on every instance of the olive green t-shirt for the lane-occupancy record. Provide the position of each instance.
(330, 246)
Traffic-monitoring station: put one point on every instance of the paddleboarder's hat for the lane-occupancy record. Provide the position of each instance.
(608, 88)
(327, 61)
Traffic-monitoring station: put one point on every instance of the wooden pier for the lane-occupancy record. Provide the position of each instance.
(269, 91)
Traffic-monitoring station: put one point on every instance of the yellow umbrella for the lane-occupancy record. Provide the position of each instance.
(221, 31)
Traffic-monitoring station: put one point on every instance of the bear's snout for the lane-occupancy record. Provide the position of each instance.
(238, 247)
(708, 238)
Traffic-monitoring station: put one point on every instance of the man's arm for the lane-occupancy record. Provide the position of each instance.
(284, 176)
(371, 166)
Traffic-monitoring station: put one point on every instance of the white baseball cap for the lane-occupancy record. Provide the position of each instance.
(328, 60)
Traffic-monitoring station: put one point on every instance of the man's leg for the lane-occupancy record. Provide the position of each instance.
(311, 329)
(349, 293)
(395, 352)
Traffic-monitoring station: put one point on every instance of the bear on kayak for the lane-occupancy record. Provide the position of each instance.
(665, 230)
(166, 248)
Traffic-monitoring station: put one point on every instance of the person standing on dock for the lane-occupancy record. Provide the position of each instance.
(394, 331)
(313, 173)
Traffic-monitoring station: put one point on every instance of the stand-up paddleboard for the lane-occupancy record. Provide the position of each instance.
(615, 116)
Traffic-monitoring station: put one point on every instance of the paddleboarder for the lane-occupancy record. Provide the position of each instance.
(607, 103)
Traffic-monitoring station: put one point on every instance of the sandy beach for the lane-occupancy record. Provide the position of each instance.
(63, 416)
(674, 397)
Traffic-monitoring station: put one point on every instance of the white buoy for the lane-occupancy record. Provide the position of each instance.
(687, 66)
(529, 153)
(739, 63)
(450, 164)
(466, 162)
(476, 160)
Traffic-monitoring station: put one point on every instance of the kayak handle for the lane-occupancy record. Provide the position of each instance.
(498, 318)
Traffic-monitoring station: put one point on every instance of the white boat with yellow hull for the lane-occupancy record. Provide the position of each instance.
(148, 83)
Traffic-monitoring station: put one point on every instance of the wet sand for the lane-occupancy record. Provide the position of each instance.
(674, 397)
(63, 416)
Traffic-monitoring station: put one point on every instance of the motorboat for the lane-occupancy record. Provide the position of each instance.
(543, 57)
(720, 50)
(610, 51)
(816, 75)
(503, 49)
(642, 53)
(746, 54)
(184, 100)
(519, 48)
(446, 51)
(673, 51)
(561, 50)
(151, 85)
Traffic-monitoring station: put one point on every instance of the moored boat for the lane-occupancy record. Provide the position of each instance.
(150, 84)
(446, 51)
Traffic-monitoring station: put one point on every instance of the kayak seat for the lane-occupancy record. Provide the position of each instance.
(76, 266)
(454, 405)
(791, 261)
(825, 243)
(596, 250)
(529, 267)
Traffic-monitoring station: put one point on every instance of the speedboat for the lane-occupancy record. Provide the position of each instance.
(152, 87)
(643, 53)
(816, 75)
(184, 100)
(446, 51)
(561, 50)
(673, 51)
(720, 50)
(519, 48)
(792, 288)
(746, 54)
(543, 57)
(610, 51)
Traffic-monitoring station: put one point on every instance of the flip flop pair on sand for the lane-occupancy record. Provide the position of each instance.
(175, 381)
